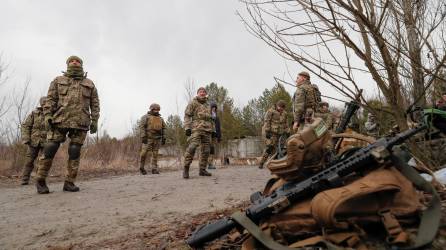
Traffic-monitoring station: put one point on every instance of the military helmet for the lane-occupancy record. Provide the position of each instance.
(305, 73)
(42, 101)
(281, 103)
(154, 106)
(75, 58)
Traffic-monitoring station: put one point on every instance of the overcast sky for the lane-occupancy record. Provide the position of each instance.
(138, 52)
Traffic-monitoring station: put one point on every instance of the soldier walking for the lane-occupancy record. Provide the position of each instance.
(304, 98)
(199, 127)
(275, 125)
(71, 109)
(34, 136)
(152, 130)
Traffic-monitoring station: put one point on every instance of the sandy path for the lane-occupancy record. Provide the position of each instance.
(114, 207)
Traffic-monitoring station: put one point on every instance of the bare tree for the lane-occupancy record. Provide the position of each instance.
(397, 45)
(190, 89)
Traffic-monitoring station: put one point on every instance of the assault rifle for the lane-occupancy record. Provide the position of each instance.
(349, 112)
(364, 159)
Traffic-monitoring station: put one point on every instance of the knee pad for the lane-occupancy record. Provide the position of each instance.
(269, 149)
(50, 149)
(74, 151)
(212, 150)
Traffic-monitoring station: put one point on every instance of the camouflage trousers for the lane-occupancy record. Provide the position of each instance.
(149, 152)
(198, 139)
(54, 138)
(270, 148)
(31, 155)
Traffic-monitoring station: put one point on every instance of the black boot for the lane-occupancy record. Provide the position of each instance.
(155, 171)
(70, 187)
(203, 172)
(41, 186)
(186, 173)
(143, 171)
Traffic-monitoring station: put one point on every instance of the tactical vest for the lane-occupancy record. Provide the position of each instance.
(311, 96)
(154, 123)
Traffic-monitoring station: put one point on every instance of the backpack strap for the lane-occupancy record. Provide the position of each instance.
(395, 233)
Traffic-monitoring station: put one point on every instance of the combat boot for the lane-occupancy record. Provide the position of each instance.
(143, 171)
(203, 172)
(186, 172)
(261, 165)
(155, 171)
(41, 186)
(70, 187)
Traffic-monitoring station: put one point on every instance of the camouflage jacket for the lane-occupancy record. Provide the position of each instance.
(152, 127)
(33, 128)
(276, 122)
(197, 116)
(305, 97)
(72, 103)
(327, 117)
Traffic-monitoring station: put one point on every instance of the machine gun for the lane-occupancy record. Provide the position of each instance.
(362, 160)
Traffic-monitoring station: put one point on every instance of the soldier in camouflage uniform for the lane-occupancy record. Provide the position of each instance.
(305, 97)
(371, 126)
(200, 128)
(34, 135)
(275, 125)
(325, 114)
(71, 109)
(152, 130)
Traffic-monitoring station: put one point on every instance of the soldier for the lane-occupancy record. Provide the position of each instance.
(152, 131)
(325, 114)
(371, 127)
(71, 109)
(199, 127)
(215, 139)
(305, 97)
(34, 136)
(275, 125)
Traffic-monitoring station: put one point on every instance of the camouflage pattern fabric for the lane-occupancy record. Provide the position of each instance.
(31, 154)
(327, 117)
(152, 127)
(149, 152)
(270, 148)
(33, 129)
(59, 135)
(72, 103)
(200, 139)
(197, 116)
(305, 97)
(371, 126)
(276, 122)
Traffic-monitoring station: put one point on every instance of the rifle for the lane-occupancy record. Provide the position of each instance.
(350, 110)
(364, 159)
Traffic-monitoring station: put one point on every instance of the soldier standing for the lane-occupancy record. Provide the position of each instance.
(152, 130)
(371, 127)
(199, 127)
(304, 98)
(71, 109)
(34, 136)
(275, 125)
(326, 115)
(215, 139)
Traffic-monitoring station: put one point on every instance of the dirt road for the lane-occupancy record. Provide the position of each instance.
(115, 207)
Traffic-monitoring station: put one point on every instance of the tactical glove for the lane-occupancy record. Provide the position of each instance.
(188, 132)
(48, 122)
(163, 141)
(144, 140)
(93, 127)
(268, 134)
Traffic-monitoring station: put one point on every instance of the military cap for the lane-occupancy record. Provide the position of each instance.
(154, 106)
(304, 73)
(201, 88)
(75, 58)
